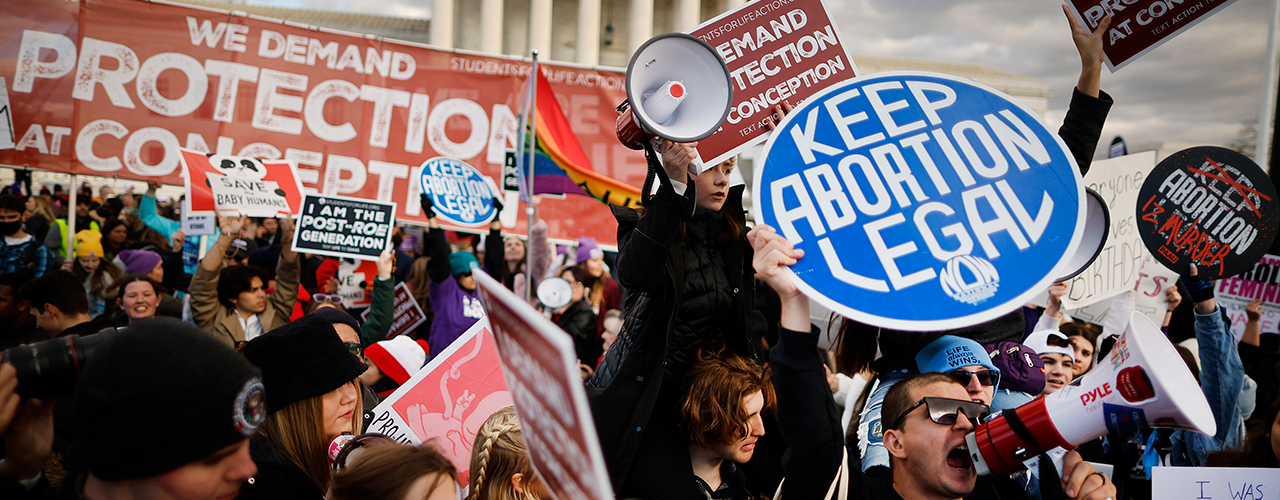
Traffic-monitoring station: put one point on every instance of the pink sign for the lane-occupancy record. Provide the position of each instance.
(449, 400)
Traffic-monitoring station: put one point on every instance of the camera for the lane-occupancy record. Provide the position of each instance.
(52, 368)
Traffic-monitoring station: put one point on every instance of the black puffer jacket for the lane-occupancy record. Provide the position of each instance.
(631, 388)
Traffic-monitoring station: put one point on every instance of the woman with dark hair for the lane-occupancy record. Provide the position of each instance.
(1261, 447)
(396, 472)
(313, 394)
(138, 296)
(578, 319)
(115, 237)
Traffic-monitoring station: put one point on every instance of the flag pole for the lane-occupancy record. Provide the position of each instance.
(532, 132)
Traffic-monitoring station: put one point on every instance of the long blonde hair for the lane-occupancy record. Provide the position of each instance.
(499, 453)
(43, 208)
(297, 431)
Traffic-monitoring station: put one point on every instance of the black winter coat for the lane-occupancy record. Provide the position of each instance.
(580, 322)
(277, 477)
(624, 392)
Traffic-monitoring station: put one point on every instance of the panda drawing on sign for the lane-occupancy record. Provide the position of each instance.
(243, 187)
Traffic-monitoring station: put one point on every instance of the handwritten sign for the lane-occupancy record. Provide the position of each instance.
(344, 227)
(447, 401)
(950, 203)
(1117, 267)
(775, 51)
(541, 369)
(1139, 26)
(1148, 296)
(1217, 483)
(1260, 282)
(1209, 206)
(408, 315)
(237, 185)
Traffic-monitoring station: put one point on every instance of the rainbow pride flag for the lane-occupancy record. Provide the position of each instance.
(560, 164)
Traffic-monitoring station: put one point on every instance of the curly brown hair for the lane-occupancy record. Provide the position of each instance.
(711, 406)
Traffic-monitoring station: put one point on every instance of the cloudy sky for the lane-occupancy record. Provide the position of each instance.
(1201, 87)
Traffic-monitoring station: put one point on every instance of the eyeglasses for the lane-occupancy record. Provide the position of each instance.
(326, 297)
(353, 347)
(946, 411)
(986, 377)
(466, 274)
(344, 449)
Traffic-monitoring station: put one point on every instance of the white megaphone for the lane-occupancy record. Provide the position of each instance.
(1097, 226)
(1142, 383)
(678, 89)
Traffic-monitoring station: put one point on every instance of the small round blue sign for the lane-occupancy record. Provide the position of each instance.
(461, 194)
(922, 201)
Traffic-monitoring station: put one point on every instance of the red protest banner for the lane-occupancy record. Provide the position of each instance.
(1138, 26)
(447, 401)
(542, 372)
(233, 186)
(408, 315)
(91, 93)
(776, 50)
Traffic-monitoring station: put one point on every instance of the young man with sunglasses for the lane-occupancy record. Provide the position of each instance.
(927, 416)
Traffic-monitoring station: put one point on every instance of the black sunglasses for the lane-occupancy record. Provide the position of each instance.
(1057, 341)
(946, 411)
(986, 377)
(466, 274)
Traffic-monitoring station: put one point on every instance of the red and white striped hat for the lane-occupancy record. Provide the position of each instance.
(398, 358)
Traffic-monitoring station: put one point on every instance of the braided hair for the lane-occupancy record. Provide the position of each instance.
(500, 452)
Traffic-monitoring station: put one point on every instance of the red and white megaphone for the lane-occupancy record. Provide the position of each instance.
(1141, 383)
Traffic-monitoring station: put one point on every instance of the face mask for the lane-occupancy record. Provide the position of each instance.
(10, 227)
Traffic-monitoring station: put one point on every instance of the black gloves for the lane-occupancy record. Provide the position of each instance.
(427, 204)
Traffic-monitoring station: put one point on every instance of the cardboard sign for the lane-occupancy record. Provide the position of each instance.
(354, 279)
(344, 227)
(408, 315)
(1122, 258)
(776, 52)
(541, 369)
(1210, 206)
(950, 203)
(1260, 282)
(1148, 296)
(447, 401)
(237, 185)
(1222, 483)
(462, 195)
(7, 137)
(1138, 26)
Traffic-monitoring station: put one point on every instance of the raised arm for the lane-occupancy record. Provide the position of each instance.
(382, 307)
(1082, 126)
(434, 244)
(643, 252)
(1221, 372)
(807, 414)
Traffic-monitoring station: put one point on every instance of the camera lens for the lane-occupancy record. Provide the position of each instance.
(52, 367)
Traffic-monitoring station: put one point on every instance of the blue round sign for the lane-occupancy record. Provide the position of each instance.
(922, 201)
(460, 193)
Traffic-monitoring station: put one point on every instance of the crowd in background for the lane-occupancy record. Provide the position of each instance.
(233, 366)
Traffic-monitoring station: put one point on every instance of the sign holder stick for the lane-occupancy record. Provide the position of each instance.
(69, 241)
(531, 114)
(1262, 153)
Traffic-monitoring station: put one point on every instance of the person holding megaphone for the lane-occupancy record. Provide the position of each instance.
(927, 416)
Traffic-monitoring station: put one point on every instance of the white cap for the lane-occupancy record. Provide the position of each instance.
(1038, 341)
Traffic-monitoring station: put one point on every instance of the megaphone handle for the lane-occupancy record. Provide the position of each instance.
(696, 166)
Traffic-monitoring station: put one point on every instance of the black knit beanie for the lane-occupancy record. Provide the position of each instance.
(187, 394)
(302, 359)
(335, 315)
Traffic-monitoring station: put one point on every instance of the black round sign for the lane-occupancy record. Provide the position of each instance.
(1209, 206)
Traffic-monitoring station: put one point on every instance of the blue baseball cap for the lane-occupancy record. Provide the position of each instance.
(950, 352)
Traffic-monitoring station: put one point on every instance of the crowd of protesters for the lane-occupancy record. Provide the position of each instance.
(233, 366)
